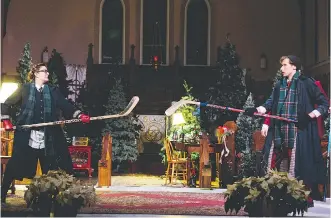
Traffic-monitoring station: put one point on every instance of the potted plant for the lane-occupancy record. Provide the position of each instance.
(276, 194)
(59, 194)
(190, 130)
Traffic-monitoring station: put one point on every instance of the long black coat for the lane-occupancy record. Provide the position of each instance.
(309, 165)
(21, 136)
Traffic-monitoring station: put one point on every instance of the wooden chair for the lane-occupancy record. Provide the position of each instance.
(104, 164)
(177, 166)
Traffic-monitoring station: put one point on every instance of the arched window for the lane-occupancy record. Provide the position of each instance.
(112, 31)
(197, 33)
(154, 31)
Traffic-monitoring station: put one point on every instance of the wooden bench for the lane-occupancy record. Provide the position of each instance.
(104, 164)
(6, 151)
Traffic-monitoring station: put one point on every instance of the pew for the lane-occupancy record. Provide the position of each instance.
(7, 139)
(104, 164)
(6, 152)
(204, 167)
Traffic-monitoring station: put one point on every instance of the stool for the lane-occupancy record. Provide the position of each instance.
(4, 161)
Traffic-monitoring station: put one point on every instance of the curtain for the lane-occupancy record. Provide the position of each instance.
(76, 73)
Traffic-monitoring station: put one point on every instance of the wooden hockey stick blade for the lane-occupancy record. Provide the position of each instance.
(172, 109)
(128, 109)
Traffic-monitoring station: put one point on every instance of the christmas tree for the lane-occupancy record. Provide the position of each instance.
(23, 68)
(58, 77)
(58, 73)
(247, 125)
(123, 130)
(229, 89)
(247, 164)
(25, 63)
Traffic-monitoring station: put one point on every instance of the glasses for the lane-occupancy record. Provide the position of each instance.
(44, 71)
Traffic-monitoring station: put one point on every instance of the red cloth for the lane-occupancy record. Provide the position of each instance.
(267, 120)
(7, 125)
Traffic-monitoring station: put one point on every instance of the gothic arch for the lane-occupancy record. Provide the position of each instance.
(194, 42)
(165, 35)
(113, 48)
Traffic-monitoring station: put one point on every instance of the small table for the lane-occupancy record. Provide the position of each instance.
(81, 158)
(189, 148)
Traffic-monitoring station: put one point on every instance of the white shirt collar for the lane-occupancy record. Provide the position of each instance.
(38, 87)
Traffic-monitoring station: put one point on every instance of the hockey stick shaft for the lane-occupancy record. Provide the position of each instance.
(180, 103)
(132, 104)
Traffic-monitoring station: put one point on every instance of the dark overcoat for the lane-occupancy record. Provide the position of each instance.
(60, 156)
(309, 165)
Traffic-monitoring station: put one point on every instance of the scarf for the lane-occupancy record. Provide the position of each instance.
(285, 132)
(27, 112)
(26, 116)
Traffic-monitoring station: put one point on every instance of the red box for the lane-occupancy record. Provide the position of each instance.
(81, 158)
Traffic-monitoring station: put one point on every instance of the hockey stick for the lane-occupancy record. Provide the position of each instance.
(180, 103)
(132, 104)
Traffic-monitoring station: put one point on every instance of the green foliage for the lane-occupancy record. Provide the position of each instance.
(58, 187)
(25, 63)
(247, 125)
(124, 130)
(53, 79)
(195, 157)
(58, 77)
(278, 76)
(23, 68)
(163, 155)
(58, 73)
(229, 89)
(248, 164)
(95, 107)
(276, 193)
(191, 113)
